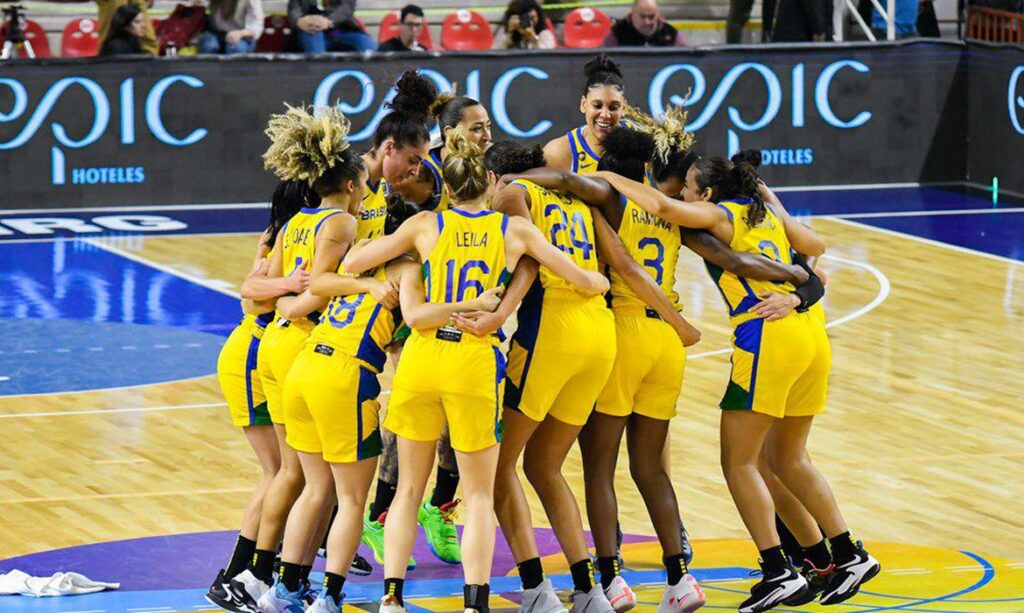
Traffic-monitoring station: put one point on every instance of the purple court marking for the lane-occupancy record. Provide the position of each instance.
(188, 561)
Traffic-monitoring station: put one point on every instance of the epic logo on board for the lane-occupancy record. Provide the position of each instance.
(1015, 101)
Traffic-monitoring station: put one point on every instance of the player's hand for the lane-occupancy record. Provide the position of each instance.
(386, 293)
(480, 323)
(260, 267)
(233, 37)
(776, 306)
(297, 282)
(688, 334)
(504, 180)
(489, 300)
(598, 283)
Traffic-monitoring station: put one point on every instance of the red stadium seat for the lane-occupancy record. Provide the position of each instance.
(81, 38)
(551, 26)
(465, 30)
(389, 29)
(585, 28)
(35, 34)
(276, 33)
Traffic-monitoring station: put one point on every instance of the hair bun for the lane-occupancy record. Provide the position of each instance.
(748, 156)
(602, 63)
(439, 103)
(415, 94)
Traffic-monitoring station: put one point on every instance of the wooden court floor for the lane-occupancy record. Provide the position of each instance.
(922, 440)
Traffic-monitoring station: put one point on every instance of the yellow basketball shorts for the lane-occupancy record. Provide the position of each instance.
(649, 366)
(458, 381)
(330, 405)
(780, 368)
(560, 359)
(238, 376)
(281, 343)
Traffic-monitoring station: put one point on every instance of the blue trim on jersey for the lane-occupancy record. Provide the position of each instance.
(373, 188)
(623, 200)
(504, 225)
(440, 223)
(526, 337)
(748, 338)
(575, 151)
(499, 364)
(741, 200)
(438, 181)
(518, 184)
(250, 366)
(727, 212)
(586, 146)
(482, 213)
(368, 351)
(321, 222)
(265, 319)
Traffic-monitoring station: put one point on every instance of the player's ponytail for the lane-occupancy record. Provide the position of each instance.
(449, 109)
(288, 198)
(603, 70)
(748, 185)
(409, 121)
(672, 141)
(463, 167)
(311, 145)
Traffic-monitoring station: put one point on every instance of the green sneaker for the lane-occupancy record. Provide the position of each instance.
(373, 537)
(439, 526)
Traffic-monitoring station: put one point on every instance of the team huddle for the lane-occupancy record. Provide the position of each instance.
(422, 255)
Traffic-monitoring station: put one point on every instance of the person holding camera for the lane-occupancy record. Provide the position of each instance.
(524, 27)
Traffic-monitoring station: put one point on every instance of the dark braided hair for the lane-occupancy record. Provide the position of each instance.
(288, 198)
(603, 70)
(408, 123)
(508, 157)
(626, 152)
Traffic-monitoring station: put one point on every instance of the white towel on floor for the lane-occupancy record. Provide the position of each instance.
(60, 584)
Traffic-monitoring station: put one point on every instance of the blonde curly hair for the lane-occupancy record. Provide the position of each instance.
(668, 131)
(307, 144)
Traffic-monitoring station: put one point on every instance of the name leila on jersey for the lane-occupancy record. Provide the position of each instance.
(471, 239)
(643, 217)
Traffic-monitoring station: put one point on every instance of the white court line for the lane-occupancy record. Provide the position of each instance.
(884, 289)
(923, 213)
(172, 271)
(143, 208)
(856, 186)
(173, 407)
(928, 241)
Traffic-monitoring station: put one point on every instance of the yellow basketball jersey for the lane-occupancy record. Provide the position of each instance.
(568, 224)
(298, 238)
(767, 238)
(654, 244)
(469, 257)
(433, 162)
(358, 326)
(584, 160)
(374, 211)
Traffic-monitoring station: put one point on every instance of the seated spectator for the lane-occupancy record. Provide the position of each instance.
(127, 27)
(410, 28)
(328, 25)
(105, 10)
(524, 27)
(233, 27)
(906, 20)
(643, 27)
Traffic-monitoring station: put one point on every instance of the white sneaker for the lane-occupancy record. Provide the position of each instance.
(683, 597)
(542, 599)
(593, 601)
(388, 604)
(247, 589)
(280, 600)
(323, 604)
(620, 595)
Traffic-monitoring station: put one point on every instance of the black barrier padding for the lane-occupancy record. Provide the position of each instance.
(135, 132)
(996, 121)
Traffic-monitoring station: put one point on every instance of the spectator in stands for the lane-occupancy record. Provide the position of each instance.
(906, 20)
(328, 25)
(643, 27)
(523, 26)
(233, 27)
(799, 21)
(410, 27)
(105, 10)
(126, 29)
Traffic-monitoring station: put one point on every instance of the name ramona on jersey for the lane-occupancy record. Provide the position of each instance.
(643, 217)
(471, 239)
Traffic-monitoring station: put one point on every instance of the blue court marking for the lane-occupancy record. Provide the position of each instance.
(883, 200)
(94, 223)
(986, 578)
(75, 317)
(1000, 234)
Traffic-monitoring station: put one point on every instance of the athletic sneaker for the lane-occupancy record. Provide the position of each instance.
(373, 537)
(817, 581)
(846, 579)
(389, 604)
(438, 524)
(683, 597)
(308, 594)
(325, 604)
(620, 595)
(360, 566)
(246, 590)
(280, 600)
(220, 595)
(687, 547)
(593, 601)
(542, 599)
(772, 589)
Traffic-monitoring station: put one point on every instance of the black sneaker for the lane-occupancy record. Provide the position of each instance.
(360, 566)
(220, 596)
(817, 581)
(246, 590)
(772, 589)
(687, 547)
(846, 579)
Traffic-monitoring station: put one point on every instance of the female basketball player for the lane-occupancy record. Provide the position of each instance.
(429, 192)
(779, 376)
(240, 383)
(560, 359)
(446, 373)
(603, 105)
